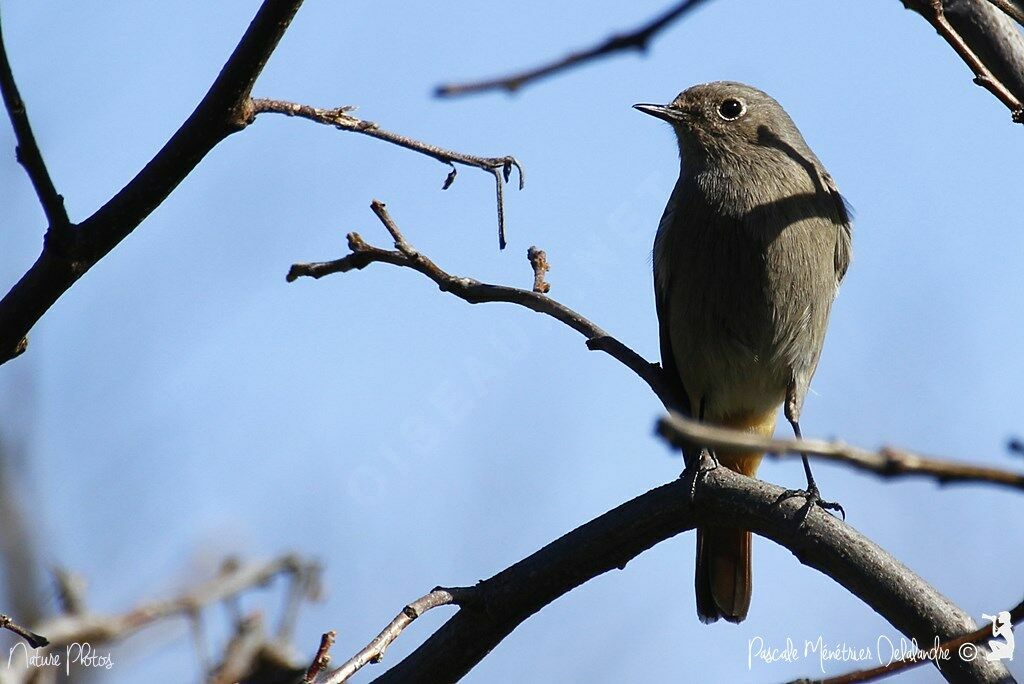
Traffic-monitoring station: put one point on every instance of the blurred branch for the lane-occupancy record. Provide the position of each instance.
(68, 254)
(720, 497)
(637, 39)
(953, 646)
(986, 40)
(96, 628)
(887, 462)
(374, 651)
(476, 292)
(342, 119)
(27, 151)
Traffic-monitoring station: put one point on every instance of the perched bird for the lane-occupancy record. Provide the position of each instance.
(748, 258)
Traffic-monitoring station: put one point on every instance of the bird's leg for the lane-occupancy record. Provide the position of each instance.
(811, 495)
(704, 462)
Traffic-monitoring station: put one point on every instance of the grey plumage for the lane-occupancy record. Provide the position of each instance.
(747, 260)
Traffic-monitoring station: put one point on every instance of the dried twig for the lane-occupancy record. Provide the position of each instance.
(934, 12)
(475, 292)
(887, 462)
(374, 651)
(637, 39)
(34, 640)
(322, 657)
(27, 151)
(539, 260)
(342, 119)
(953, 646)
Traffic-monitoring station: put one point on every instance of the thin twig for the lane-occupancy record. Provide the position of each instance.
(342, 119)
(374, 651)
(34, 640)
(637, 39)
(27, 151)
(887, 462)
(476, 292)
(539, 260)
(935, 14)
(953, 647)
(322, 657)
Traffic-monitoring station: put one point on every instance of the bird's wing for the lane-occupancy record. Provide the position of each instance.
(844, 239)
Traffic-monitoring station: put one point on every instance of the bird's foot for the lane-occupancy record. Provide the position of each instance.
(705, 462)
(811, 498)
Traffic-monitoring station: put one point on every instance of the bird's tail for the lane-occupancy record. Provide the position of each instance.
(723, 579)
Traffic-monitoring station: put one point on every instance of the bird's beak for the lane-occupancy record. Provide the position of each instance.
(663, 112)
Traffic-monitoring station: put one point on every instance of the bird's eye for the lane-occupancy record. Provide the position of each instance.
(731, 109)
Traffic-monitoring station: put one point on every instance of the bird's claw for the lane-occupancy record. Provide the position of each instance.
(705, 462)
(811, 497)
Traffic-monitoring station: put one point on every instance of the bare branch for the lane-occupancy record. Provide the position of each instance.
(721, 497)
(539, 261)
(887, 462)
(27, 151)
(342, 119)
(34, 640)
(952, 646)
(992, 38)
(67, 255)
(374, 651)
(475, 292)
(637, 39)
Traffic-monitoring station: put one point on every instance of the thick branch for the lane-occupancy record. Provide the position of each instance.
(1013, 8)
(887, 462)
(224, 110)
(27, 151)
(637, 39)
(986, 40)
(722, 497)
(341, 118)
(475, 292)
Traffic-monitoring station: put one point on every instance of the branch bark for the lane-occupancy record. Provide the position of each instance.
(722, 497)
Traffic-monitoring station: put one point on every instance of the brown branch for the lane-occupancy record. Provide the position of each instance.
(34, 640)
(721, 497)
(887, 462)
(476, 292)
(322, 657)
(374, 651)
(225, 109)
(539, 261)
(27, 151)
(342, 119)
(993, 32)
(953, 647)
(637, 39)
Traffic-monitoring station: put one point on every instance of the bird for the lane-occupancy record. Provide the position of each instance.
(748, 258)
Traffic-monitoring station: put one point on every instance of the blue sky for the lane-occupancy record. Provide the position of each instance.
(183, 401)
